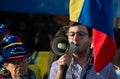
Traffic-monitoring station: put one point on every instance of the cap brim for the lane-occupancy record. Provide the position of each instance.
(15, 57)
(22, 56)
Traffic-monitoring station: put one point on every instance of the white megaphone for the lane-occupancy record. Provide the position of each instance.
(60, 45)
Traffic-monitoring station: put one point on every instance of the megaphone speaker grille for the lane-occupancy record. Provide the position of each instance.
(59, 45)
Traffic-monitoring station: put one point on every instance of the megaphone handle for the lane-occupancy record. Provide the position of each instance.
(64, 71)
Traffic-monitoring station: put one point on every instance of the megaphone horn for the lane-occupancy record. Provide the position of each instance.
(60, 45)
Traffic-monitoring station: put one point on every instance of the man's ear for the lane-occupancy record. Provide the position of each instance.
(91, 40)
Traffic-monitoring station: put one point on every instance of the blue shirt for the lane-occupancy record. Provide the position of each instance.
(75, 69)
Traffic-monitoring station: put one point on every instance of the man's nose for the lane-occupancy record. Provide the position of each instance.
(75, 37)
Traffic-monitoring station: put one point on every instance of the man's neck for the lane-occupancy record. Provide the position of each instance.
(81, 60)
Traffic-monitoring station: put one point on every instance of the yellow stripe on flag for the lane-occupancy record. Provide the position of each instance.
(75, 9)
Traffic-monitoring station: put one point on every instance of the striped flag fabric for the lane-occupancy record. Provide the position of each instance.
(97, 14)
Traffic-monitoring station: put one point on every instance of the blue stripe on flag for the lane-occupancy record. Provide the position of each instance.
(99, 15)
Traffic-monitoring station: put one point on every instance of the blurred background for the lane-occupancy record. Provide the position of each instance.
(36, 30)
(36, 22)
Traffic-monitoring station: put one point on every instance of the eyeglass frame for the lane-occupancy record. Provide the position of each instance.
(80, 34)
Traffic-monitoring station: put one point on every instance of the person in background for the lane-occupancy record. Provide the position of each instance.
(116, 59)
(4, 31)
(15, 61)
(12, 39)
(8, 39)
(79, 64)
(61, 32)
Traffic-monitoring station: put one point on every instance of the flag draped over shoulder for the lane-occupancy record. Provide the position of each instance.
(97, 14)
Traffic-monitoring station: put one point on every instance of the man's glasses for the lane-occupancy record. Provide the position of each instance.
(79, 34)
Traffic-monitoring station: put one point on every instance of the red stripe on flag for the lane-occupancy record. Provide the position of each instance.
(104, 49)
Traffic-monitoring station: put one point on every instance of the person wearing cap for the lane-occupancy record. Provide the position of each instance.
(8, 39)
(13, 39)
(4, 31)
(15, 61)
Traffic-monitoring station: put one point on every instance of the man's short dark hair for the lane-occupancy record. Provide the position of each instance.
(77, 23)
(117, 36)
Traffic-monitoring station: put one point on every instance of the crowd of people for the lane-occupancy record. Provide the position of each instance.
(15, 57)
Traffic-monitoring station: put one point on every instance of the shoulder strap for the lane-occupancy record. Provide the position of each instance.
(90, 63)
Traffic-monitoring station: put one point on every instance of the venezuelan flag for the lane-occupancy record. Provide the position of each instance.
(97, 14)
